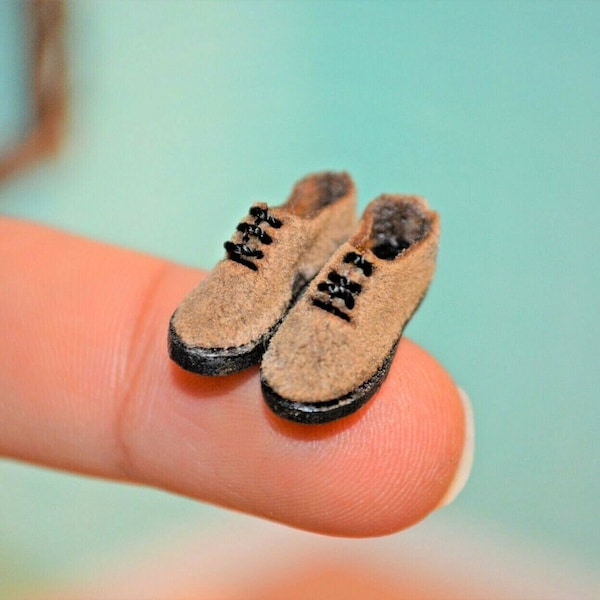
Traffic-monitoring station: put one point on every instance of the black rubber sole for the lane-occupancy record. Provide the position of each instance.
(316, 413)
(214, 361)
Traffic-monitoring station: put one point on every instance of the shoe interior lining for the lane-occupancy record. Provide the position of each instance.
(314, 193)
(397, 225)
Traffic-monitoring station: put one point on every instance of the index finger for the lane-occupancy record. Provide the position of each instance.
(88, 387)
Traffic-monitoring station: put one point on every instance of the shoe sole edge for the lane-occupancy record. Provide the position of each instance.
(214, 361)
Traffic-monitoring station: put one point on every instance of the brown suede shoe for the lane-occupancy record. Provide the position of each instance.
(225, 323)
(335, 347)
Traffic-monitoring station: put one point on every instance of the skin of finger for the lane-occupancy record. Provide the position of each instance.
(88, 387)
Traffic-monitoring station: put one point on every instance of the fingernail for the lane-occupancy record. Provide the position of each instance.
(466, 460)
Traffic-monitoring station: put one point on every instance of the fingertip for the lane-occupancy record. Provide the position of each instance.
(384, 468)
(415, 431)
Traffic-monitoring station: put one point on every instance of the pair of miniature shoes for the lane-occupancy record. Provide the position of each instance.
(320, 299)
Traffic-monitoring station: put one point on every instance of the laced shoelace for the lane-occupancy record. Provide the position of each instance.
(243, 251)
(340, 286)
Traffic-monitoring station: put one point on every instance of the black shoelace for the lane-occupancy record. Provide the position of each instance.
(339, 286)
(243, 252)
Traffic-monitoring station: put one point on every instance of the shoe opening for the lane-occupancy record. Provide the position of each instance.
(315, 192)
(398, 223)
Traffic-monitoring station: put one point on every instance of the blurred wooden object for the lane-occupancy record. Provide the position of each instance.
(49, 88)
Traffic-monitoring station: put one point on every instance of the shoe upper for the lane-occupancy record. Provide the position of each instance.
(272, 255)
(343, 329)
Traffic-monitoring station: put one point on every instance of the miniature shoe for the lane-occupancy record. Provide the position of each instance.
(225, 323)
(335, 347)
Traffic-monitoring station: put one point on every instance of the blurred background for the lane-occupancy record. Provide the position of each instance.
(183, 113)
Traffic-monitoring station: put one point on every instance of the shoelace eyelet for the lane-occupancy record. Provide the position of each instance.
(242, 252)
(343, 288)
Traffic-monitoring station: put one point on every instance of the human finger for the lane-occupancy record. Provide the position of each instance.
(88, 387)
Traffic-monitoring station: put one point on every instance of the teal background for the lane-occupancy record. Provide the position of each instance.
(184, 113)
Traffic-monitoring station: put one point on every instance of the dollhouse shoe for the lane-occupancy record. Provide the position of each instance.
(225, 323)
(334, 348)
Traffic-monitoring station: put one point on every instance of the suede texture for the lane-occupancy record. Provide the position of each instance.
(316, 356)
(236, 306)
